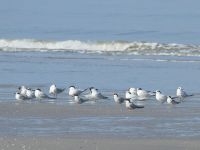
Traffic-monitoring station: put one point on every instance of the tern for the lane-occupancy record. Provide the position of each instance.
(79, 100)
(131, 93)
(170, 100)
(129, 105)
(95, 94)
(19, 96)
(160, 97)
(143, 94)
(22, 90)
(41, 95)
(54, 90)
(181, 93)
(118, 99)
(30, 93)
(74, 91)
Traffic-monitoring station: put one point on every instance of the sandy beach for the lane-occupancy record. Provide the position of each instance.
(97, 144)
(88, 140)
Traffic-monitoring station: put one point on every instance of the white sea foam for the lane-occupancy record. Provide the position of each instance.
(113, 47)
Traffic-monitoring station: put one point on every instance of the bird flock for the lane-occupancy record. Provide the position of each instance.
(80, 96)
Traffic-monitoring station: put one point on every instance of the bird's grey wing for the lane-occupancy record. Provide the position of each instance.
(83, 100)
(60, 90)
(136, 106)
(175, 102)
(102, 96)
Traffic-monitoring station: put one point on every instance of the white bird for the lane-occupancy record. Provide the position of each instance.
(118, 99)
(22, 90)
(128, 95)
(143, 94)
(30, 93)
(160, 97)
(170, 100)
(129, 105)
(181, 93)
(41, 95)
(19, 96)
(79, 100)
(95, 94)
(131, 93)
(54, 90)
(74, 91)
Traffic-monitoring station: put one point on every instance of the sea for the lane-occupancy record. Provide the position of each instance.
(111, 45)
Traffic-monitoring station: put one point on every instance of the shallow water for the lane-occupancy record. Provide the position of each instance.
(108, 73)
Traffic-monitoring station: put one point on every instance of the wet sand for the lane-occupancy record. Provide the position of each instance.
(49, 143)
(50, 115)
(26, 119)
(100, 108)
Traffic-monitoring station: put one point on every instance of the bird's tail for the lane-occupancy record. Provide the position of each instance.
(104, 97)
(62, 90)
(85, 90)
(51, 97)
(190, 95)
(139, 106)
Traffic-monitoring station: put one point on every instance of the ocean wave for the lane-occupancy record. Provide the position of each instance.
(110, 47)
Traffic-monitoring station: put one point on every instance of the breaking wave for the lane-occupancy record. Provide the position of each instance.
(110, 47)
